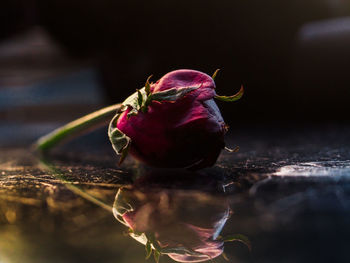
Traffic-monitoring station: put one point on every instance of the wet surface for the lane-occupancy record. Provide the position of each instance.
(287, 190)
(325, 168)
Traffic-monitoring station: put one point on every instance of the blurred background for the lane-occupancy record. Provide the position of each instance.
(60, 59)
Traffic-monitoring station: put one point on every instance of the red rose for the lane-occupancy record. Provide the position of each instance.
(173, 122)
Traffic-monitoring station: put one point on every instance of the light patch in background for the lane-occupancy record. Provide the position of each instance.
(79, 87)
(321, 168)
(337, 27)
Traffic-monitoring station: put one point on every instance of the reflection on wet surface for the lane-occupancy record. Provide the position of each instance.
(183, 224)
(63, 210)
(324, 168)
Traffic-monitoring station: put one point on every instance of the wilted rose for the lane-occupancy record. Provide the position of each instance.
(173, 122)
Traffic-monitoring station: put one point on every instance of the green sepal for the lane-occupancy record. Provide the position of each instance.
(215, 73)
(232, 98)
(172, 94)
(124, 153)
(156, 255)
(135, 102)
(225, 256)
(120, 142)
(135, 233)
(120, 207)
(146, 104)
(136, 99)
(132, 112)
(234, 150)
(139, 98)
(148, 86)
(239, 238)
(152, 239)
(148, 248)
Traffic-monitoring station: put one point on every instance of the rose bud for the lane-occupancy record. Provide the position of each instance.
(183, 225)
(172, 123)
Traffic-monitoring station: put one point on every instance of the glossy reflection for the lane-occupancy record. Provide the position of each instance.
(322, 168)
(171, 217)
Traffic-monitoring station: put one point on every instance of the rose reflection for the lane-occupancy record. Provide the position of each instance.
(183, 224)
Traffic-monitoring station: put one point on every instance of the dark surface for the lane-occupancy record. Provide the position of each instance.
(288, 188)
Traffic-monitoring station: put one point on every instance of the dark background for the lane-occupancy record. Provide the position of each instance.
(293, 57)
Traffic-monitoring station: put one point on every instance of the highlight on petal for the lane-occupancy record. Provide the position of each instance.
(232, 98)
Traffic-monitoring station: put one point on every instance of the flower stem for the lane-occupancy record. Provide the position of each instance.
(73, 128)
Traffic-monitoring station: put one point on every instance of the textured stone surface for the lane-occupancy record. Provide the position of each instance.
(288, 188)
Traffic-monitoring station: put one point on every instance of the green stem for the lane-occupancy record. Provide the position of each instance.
(71, 129)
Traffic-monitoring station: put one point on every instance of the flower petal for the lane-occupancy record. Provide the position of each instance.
(188, 78)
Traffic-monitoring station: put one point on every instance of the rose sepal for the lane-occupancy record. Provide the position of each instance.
(120, 141)
(232, 98)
